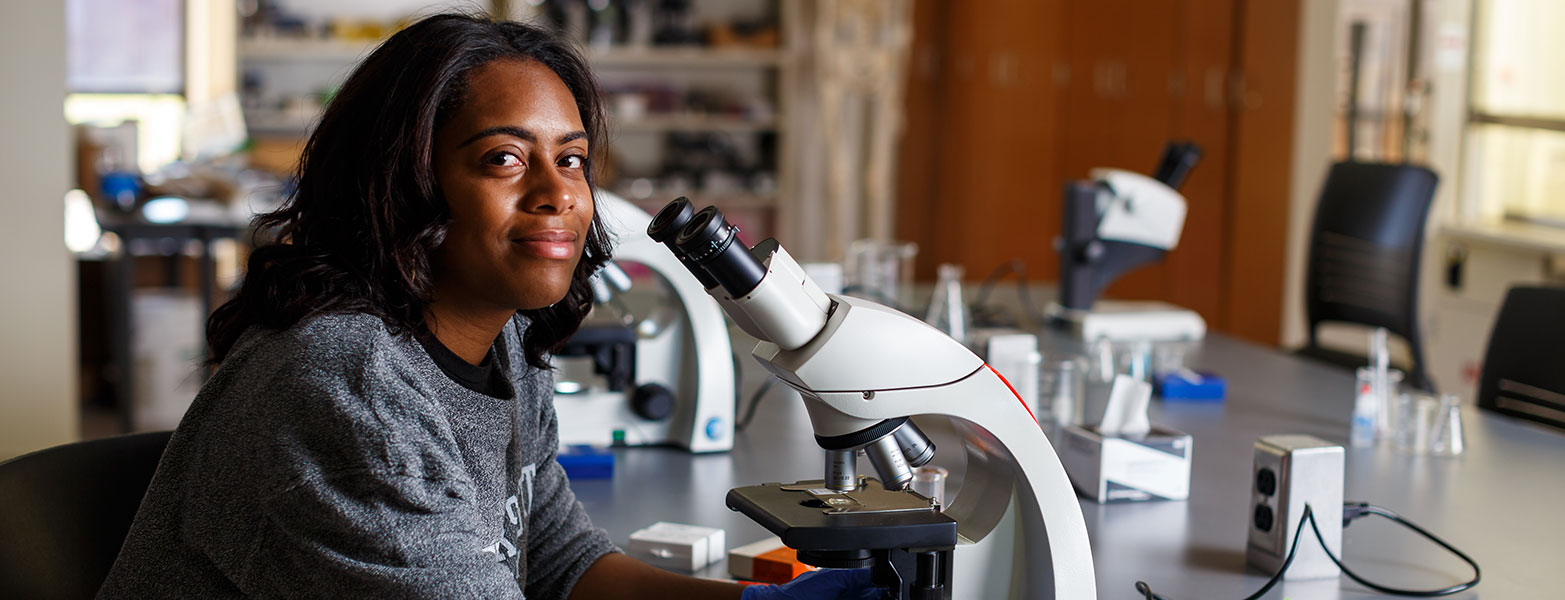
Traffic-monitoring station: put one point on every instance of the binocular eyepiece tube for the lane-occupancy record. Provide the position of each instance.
(666, 225)
(708, 246)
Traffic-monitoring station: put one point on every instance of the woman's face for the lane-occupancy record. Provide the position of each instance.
(511, 163)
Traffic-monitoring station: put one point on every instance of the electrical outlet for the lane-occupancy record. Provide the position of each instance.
(1290, 472)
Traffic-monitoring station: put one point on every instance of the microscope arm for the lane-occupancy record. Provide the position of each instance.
(1089, 264)
(863, 369)
(881, 364)
(1118, 221)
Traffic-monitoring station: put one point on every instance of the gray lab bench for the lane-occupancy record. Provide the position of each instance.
(1503, 502)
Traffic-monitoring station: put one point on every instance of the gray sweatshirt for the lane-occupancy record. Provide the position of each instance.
(334, 459)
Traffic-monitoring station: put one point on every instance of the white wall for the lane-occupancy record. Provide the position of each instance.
(1314, 102)
(38, 405)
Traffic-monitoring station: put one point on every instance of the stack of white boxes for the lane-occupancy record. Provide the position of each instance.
(679, 547)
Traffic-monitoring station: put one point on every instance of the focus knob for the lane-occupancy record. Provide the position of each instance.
(652, 402)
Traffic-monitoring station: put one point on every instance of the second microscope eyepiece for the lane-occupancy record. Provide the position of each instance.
(672, 218)
(711, 242)
(667, 224)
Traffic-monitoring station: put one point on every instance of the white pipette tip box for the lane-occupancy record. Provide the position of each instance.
(1110, 468)
(677, 546)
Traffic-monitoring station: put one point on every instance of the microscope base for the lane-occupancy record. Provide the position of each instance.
(1127, 320)
(901, 536)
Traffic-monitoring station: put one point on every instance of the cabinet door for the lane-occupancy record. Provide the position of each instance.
(1119, 107)
(978, 182)
(1203, 113)
(1010, 99)
(1255, 251)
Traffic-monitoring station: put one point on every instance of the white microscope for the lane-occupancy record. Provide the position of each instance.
(1114, 222)
(665, 376)
(871, 377)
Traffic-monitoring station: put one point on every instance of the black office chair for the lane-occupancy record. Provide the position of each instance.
(1524, 368)
(1365, 250)
(64, 513)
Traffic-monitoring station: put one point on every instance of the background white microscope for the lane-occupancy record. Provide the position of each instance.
(1114, 222)
(873, 379)
(654, 364)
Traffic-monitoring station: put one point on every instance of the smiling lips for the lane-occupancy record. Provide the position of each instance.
(553, 243)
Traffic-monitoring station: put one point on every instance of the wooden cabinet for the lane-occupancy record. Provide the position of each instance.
(1009, 100)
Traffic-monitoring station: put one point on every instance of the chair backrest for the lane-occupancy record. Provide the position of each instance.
(1524, 368)
(65, 511)
(1365, 249)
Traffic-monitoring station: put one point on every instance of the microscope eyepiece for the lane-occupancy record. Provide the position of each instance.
(710, 241)
(672, 218)
(666, 225)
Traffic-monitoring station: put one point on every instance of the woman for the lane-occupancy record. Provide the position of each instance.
(381, 424)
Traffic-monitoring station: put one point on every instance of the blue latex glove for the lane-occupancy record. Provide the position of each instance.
(824, 584)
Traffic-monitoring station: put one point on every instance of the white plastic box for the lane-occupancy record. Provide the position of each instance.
(1124, 469)
(678, 547)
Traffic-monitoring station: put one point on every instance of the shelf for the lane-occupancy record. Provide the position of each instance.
(1525, 237)
(304, 49)
(661, 123)
(726, 201)
(282, 48)
(278, 123)
(685, 57)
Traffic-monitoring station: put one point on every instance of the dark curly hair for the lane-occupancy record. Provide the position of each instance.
(358, 233)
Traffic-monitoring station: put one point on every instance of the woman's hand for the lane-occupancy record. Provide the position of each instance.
(825, 584)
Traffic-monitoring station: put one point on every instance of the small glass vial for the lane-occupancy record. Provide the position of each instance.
(1366, 409)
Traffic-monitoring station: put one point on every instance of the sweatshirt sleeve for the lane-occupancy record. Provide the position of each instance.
(370, 534)
(561, 541)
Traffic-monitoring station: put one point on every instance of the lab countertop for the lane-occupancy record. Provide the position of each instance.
(1499, 502)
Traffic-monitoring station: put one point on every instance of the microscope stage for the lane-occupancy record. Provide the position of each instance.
(809, 517)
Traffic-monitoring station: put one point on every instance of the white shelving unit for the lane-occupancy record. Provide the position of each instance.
(303, 49)
(685, 57)
(696, 122)
(301, 67)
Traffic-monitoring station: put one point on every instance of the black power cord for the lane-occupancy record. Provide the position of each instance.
(755, 400)
(980, 305)
(1352, 511)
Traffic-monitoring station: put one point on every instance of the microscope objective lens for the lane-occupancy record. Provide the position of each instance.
(915, 446)
(890, 464)
(842, 470)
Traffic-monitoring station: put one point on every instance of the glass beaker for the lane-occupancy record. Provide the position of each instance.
(1446, 438)
(1169, 356)
(1386, 419)
(1102, 356)
(1063, 382)
(880, 271)
(1135, 359)
(1414, 416)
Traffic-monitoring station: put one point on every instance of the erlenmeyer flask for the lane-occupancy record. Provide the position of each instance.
(947, 310)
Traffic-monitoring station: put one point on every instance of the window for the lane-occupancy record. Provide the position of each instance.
(1516, 125)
